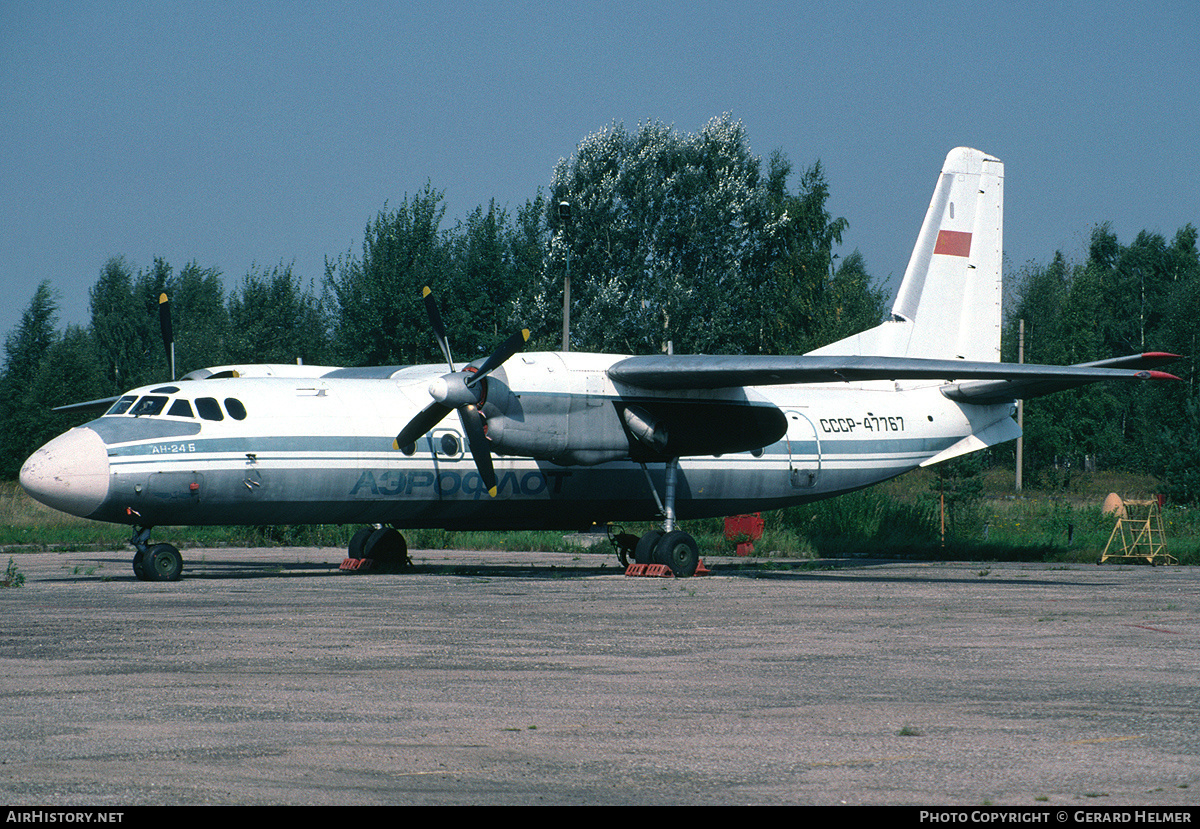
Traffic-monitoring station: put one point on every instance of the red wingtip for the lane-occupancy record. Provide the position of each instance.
(1162, 375)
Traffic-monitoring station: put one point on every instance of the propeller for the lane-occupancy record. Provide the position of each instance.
(168, 337)
(461, 390)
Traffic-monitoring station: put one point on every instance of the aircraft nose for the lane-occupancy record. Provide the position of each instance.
(70, 473)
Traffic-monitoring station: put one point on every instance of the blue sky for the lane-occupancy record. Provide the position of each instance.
(237, 134)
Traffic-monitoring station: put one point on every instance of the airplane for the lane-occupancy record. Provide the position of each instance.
(570, 440)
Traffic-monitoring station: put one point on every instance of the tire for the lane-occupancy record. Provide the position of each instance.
(139, 568)
(163, 563)
(679, 551)
(387, 547)
(643, 553)
(358, 542)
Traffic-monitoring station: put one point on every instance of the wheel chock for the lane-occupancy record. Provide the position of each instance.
(659, 570)
(350, 565)
(662, 570)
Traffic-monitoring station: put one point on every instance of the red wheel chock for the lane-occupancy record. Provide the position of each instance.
(662, 570)
(356, 564)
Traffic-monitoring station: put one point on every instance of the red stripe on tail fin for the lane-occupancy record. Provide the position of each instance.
(953, 243)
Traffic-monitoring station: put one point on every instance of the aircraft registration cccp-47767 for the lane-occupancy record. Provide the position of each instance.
(570, 440)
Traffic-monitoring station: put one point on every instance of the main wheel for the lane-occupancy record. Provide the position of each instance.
(358, 541)
(139, 567)
(643, 553)
(388, 547)
(162, 563)
(679, 551)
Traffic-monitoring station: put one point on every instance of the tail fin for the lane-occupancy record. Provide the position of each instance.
(948, 305)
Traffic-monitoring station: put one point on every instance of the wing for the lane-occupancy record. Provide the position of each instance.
(997, 391)
(977, 381)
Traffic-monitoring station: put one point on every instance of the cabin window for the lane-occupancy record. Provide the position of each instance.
(122, 405)
(151, 404)
(181, 408)
(235, 408)
(209, 409)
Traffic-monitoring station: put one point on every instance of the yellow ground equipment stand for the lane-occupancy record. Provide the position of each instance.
(1140, 530)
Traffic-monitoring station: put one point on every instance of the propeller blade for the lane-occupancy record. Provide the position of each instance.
(476, 439)
(425, 420)
(168, 336)
(439, 329)
(508, 348)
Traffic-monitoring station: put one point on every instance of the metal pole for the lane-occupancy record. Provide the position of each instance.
(1020, 412)
(566, 344)
(564, 215)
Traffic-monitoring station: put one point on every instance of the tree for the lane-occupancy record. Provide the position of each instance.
(1123, 300)
(119, 328)
(374, 301)
(42, 370)
(272, 319)
(199, 319)
(681, 238)
(670, 233)
(24, 350)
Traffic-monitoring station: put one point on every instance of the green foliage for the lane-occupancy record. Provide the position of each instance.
(12, 576)
(957, 491)
(1124, 299)
(378, 318)
(863, 521)
(274, 319)
(679, 237)
(43, 369)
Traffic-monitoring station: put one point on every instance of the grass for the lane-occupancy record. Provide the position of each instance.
(899, 519)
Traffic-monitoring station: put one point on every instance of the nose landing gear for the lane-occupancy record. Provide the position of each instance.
(160, 562)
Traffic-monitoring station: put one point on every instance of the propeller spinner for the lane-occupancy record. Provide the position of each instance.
(461, 390)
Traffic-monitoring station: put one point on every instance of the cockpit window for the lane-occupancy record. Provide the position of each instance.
(151, 404)
(209, 409)
(122, 405)
(235, 408)
(181, 408)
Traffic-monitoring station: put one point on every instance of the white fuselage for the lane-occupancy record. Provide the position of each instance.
(313, 448)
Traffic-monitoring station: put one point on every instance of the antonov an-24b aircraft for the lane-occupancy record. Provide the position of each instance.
(579, 439)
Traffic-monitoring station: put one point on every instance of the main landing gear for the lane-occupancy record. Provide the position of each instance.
(377, 548)
(670, 546)
(158, 562)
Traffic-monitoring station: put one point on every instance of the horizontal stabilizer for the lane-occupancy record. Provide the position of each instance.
(663, 372)
(1004, 429)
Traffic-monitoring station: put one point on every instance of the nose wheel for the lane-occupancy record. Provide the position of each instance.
(158, 562)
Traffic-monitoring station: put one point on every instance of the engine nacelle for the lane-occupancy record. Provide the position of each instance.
(577, 417)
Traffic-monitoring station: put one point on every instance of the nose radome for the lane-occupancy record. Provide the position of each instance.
(70, 473)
